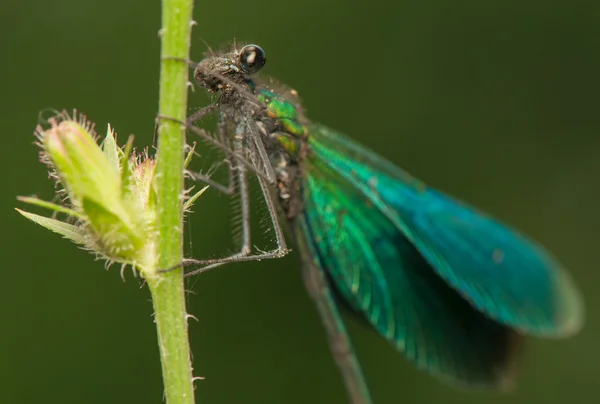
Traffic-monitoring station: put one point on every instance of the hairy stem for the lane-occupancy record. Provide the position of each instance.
(167, 288)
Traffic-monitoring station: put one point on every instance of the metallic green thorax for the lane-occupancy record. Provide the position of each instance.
(286, 114)
(282, 109)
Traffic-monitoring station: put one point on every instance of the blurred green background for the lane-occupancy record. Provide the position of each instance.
(494, 102)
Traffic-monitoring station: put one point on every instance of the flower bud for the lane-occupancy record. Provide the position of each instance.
(110, 193)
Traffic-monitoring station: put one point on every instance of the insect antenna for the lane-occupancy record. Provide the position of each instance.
(212, 53)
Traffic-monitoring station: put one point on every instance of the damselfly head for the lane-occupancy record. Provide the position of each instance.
(226, 71)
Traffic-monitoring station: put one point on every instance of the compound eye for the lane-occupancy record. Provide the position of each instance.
(252, 58)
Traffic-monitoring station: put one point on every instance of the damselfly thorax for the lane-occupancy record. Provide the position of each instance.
(268, 120)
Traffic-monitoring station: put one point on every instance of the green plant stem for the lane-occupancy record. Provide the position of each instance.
(167, 288)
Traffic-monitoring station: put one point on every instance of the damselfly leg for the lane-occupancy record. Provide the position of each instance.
(238, 162)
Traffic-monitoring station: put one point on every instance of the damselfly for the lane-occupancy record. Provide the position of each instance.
(449, 286)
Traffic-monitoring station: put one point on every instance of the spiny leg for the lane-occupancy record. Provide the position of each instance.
(245, 248)
(244, 201)
(281, 249)
(196, 116)
(265, 180)
(264, 159)
(201, 113)
(209, 139)
(279, 252)
(228, 189)
(242, 185)
(244, 256)
(240, 166)
(223, 144)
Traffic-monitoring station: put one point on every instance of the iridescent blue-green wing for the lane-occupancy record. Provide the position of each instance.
(500, 272)
(381, 275)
